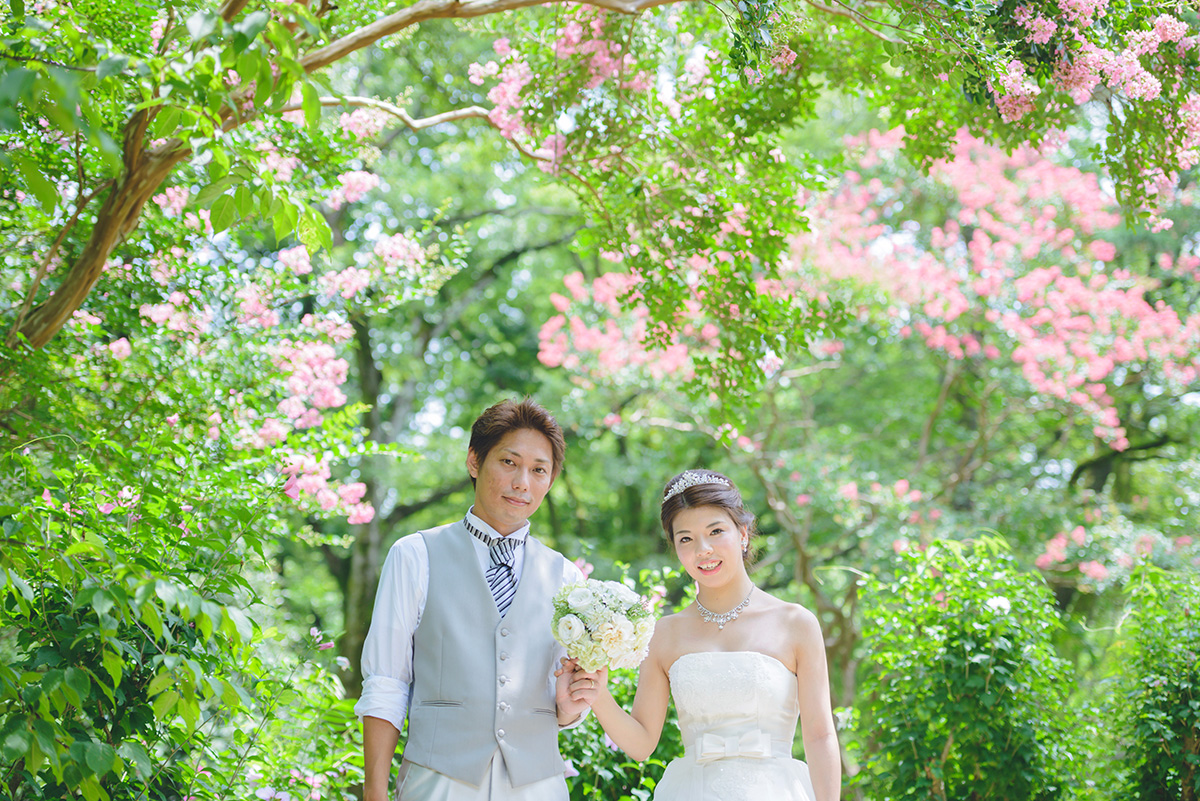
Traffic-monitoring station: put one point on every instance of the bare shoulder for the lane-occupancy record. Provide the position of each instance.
(801, 624)
(668, 640)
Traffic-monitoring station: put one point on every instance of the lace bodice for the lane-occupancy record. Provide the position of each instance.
(733, 693)
(737, 715)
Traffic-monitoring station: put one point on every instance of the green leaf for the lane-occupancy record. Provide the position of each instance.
(18, 9)
(243, 198)
(90, 787)
(41, 188)
(166, 123)
(224, 212)
(16, 744)
(206, 195)
(312, 104)
(202, 24)
(15, 86)
(115, 666)
(112, 66)
(78, 681)
(314, 231)
(164, 703)
(135, 753)
(284, 221)
(253, 24)
(102, 602)
(160, 682)
(152, 619)
(100, 757)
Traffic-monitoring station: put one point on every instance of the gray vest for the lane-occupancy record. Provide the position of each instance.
(481, 683)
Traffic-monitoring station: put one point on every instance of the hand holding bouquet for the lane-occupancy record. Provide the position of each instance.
(602, 623)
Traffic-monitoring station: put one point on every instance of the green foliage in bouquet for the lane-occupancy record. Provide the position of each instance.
(964, 697)
(1162, 699)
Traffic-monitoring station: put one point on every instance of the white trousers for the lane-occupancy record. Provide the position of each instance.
(418, 783)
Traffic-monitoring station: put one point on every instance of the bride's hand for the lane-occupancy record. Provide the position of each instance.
(588, 686)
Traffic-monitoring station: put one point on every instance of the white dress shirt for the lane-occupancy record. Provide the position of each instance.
(387, 656)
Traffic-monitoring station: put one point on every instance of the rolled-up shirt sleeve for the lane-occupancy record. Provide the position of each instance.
(387, 656)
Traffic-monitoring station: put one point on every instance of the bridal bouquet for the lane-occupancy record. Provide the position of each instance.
(602, 623)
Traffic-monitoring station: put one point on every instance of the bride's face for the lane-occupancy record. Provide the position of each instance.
(709, 545)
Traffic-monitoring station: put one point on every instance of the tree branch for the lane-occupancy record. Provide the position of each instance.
(445, 9)
(399, 513)
(856, 17)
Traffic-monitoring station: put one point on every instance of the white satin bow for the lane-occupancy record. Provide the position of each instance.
(753, 744)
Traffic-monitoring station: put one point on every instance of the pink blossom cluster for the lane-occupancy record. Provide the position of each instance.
(1017, 93)
(401, 254)
(479, 73)
(605, 348)
(309, 475)
(364, 123)
(354, 186)
(1083, 12)
(315, 375)
(583, 35)
(506, 98)
(176, 314)
(1071, 327)
(296, 259)
(253, 309)
(1040, 28)
(172, 200)
(335, 328)
(347, 283)
(281, 166)
(785, 58)
(553, 148)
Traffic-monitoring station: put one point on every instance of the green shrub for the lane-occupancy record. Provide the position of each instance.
(964, 697)
(1162, 697)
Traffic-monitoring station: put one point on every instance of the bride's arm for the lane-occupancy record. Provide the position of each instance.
(637, 732)
(816, 709)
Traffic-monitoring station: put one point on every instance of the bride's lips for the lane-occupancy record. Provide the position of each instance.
(708, 568)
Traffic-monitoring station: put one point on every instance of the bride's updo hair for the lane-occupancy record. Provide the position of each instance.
(693, 488)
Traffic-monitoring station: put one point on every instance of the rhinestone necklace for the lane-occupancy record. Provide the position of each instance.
(708, 616)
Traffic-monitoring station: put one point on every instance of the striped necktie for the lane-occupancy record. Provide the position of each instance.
(501, 579)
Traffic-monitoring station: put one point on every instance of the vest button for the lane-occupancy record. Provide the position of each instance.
(504, 706)
(504, 679)
(504, 656)
(503, 632)
(499, 732)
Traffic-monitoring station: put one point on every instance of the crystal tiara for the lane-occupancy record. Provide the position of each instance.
(694, 478)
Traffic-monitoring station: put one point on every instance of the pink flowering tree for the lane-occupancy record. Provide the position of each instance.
(1009, 358)
(664, 118)
(196, 417)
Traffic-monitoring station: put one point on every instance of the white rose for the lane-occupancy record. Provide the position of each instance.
(570, 629)
(626, 596)
(580, 598)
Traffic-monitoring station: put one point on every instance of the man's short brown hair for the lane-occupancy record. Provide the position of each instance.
(509, 415)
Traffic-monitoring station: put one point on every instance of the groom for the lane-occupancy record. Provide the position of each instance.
(460, 637)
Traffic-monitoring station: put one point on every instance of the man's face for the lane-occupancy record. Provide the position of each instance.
(512, 479)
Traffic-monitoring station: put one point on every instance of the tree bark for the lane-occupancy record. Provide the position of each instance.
(118, 216)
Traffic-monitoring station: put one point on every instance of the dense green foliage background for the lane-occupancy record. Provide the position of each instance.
(183, 595)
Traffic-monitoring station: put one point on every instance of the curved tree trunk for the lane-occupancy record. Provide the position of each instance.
(144, 173)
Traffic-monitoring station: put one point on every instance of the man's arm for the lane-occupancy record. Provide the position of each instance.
(387, 660)
(379, 746)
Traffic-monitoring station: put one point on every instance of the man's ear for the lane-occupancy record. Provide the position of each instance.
(472, 463)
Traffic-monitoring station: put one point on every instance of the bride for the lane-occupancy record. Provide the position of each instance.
(740, 664)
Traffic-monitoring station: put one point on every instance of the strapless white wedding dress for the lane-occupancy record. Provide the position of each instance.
(737, 714)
